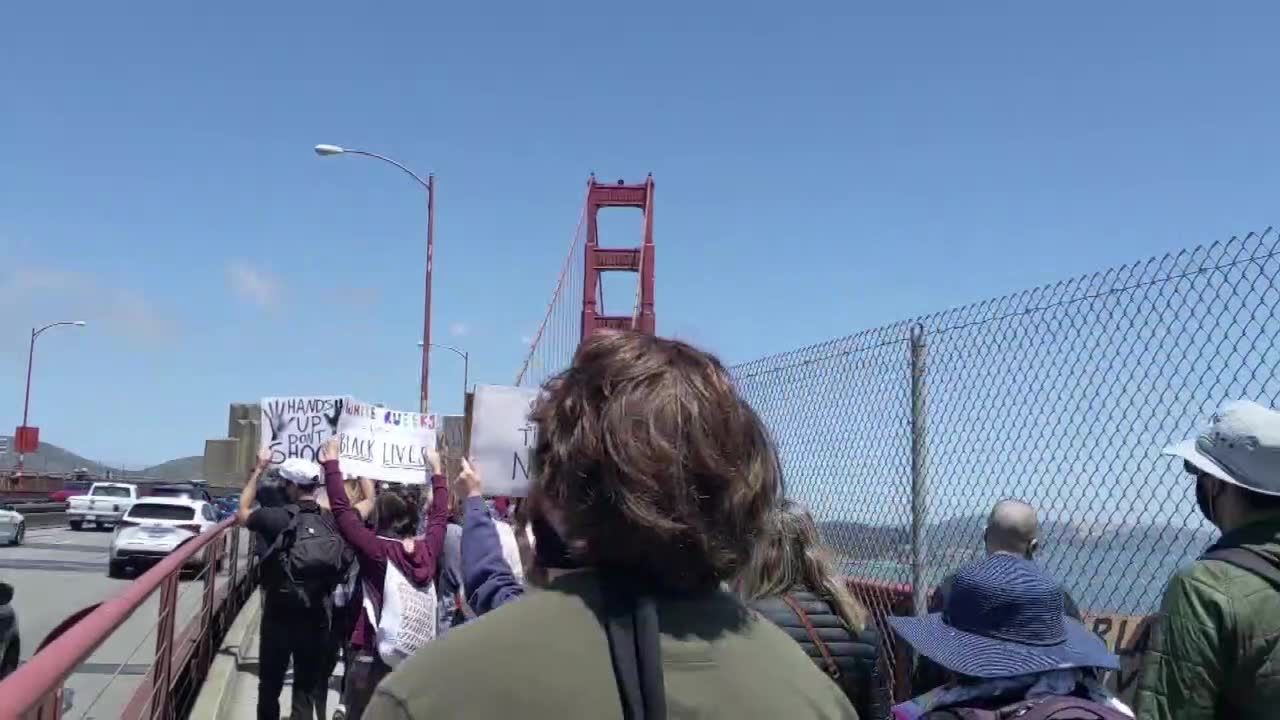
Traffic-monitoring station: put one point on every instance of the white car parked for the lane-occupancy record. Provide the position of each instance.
(13, 526)
(154, 527)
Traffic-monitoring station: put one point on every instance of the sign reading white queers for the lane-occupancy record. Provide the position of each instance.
(385, 444)
(299, 426)
(502, 438)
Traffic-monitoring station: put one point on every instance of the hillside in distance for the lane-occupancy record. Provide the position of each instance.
(54, 459)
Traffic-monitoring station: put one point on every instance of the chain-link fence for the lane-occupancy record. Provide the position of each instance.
(1063, 396)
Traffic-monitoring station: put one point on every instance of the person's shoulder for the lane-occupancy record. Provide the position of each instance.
(269, 518)
(779, 662)
(1207, 577)
(515, 639)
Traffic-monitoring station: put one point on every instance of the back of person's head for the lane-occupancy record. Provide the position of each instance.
(649, 464)
(1013, 528)
(301, 478)
(790, 556)
(395, 514)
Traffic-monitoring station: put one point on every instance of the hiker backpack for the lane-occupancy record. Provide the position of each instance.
(309, 560)
(408, 617)
(1052, 707)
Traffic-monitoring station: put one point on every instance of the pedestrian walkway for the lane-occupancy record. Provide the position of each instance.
(231, 690)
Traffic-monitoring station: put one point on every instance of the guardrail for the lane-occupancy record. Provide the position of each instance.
(182, 655)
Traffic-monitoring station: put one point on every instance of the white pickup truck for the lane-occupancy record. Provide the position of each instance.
(105, 504)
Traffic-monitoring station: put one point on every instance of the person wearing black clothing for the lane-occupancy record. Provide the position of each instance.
(287, 632)
(1013, 529)
(790, 581)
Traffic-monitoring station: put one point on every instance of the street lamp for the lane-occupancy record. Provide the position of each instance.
(466, 362)
(26, 402)
(429, 185)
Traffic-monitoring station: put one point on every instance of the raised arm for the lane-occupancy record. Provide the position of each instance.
(485, 573)
(437, 520)
(250, 493)
(349, 523)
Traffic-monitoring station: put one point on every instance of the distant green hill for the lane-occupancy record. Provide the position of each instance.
(54, 459)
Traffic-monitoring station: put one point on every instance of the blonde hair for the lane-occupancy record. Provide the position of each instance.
(790, 556)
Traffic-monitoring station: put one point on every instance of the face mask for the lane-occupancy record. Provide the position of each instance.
(1205, 499)
(549, 549)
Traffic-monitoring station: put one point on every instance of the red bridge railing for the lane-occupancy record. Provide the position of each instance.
(182, 654)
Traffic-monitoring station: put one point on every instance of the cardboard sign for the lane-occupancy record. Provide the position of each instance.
(299, 426)
(1128, 636)
(502, 438)
(387, 445)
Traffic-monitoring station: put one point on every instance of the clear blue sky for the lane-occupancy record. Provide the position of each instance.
(820, 169)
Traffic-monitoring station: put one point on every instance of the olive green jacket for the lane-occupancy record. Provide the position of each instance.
(1215, 652)
(546, 657)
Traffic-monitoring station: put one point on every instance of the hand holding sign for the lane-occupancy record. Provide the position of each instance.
(467, 484)
(330, 451)
(433, 459)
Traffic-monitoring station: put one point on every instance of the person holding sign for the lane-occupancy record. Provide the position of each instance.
(390, 549)
(651, 479)
(492, 572)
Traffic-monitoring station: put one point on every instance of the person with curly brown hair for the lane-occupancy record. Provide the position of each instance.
(653, 479)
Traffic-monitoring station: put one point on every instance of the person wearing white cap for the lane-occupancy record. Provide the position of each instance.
(1214, 653)
(289, 631)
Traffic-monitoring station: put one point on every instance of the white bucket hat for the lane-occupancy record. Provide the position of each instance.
(299, 472)
(1241, 446)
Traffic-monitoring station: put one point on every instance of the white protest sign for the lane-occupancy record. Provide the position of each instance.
(386, 444)
(502, 438)
(299, 426)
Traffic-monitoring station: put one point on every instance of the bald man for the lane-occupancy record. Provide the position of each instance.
(1013, 528)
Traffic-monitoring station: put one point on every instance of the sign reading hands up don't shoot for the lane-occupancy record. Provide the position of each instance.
(503, 438)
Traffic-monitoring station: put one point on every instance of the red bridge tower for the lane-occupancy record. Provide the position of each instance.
(601, 260)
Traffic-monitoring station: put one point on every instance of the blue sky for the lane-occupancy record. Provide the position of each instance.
(819, 170)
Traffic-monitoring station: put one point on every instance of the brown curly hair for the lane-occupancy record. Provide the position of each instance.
(657, 467)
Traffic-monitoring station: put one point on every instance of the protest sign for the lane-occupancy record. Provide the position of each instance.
(299, 426)
(384, 444)
(502, 438)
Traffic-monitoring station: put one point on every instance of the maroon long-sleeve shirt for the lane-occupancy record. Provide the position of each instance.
(374, 552)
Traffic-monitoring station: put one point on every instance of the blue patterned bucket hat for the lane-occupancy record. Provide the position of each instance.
(1004, 618)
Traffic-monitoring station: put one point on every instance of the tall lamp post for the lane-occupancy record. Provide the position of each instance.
(466, 363)
(429, 185)
(26, 402)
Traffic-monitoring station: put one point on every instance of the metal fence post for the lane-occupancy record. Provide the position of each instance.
(919, 484)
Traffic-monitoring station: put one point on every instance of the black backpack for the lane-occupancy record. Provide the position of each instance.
(1052, 707)
(307, 561)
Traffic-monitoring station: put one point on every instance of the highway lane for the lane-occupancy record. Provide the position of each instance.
(56, 573)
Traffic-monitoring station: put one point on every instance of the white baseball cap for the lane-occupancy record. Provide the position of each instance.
(1241, 446)
(299, 471)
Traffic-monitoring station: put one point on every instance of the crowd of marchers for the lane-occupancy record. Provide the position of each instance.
(656, 570)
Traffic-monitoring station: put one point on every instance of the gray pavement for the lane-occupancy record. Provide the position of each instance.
(239, 698)
(56, 573)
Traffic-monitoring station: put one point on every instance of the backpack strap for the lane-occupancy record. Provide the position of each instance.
(291, 527)
(1246, 559)
(832, 668)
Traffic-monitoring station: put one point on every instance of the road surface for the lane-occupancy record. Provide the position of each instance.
(57, 572)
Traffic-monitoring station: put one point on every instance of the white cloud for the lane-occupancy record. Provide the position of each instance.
(36, 294)
(253, 285)
(459, 329)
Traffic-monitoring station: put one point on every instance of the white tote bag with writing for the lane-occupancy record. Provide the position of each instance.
(408, 617)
